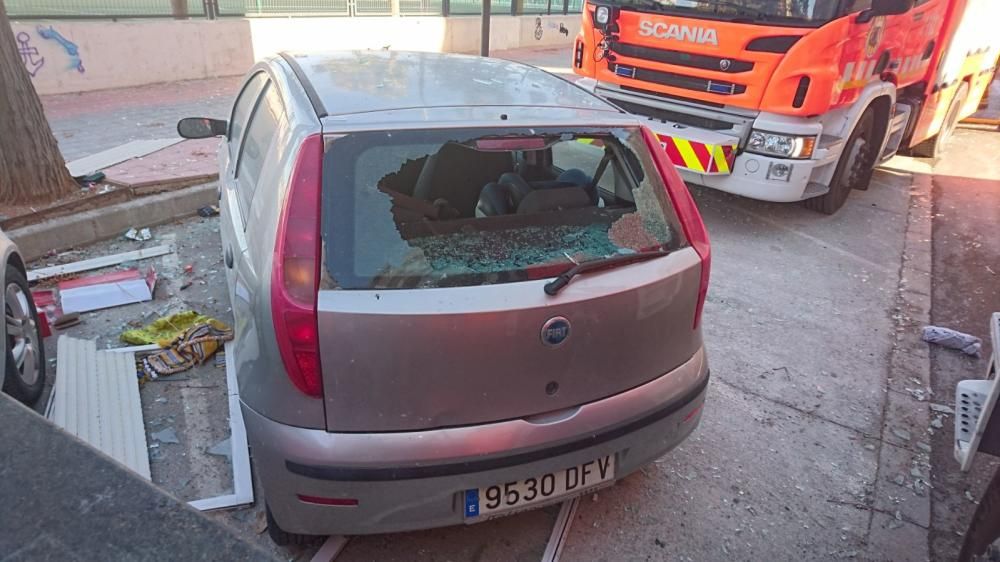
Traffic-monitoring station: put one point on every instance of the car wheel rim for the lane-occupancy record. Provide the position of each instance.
(22, 334)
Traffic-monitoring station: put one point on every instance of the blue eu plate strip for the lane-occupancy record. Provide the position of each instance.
(471, 503)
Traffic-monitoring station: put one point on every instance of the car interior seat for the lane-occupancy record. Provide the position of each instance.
(456, 174)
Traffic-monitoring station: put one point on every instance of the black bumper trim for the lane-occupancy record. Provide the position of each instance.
(379, 474)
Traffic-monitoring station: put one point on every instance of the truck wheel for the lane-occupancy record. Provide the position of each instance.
(934, 147)
(281, 537)
(24, 378)
(854, 170)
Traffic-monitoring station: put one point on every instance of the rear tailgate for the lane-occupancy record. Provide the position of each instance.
(401, 360)
(437, 247)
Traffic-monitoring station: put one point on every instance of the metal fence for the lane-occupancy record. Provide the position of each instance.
(97, 9)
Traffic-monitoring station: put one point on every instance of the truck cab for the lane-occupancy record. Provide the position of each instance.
(778, 100)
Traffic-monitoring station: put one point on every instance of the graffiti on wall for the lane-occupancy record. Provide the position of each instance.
(33, 61)
(70, 47)
(540, 32)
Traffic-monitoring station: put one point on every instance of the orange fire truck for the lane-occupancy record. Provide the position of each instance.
(791, 100)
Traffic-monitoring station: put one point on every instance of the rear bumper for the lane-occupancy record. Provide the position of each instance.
(416, 480)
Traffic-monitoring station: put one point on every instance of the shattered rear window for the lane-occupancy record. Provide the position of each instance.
(447, 207)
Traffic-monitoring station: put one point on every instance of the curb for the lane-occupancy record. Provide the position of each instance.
(901, 503)
(62, 233)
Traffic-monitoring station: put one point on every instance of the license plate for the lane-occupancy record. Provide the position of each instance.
(520, 494)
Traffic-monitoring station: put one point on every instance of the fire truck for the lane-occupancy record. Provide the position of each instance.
(791, 100)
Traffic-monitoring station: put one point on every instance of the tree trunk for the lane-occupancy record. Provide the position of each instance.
(32, 170)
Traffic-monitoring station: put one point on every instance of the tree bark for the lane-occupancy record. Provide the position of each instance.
(32, 170)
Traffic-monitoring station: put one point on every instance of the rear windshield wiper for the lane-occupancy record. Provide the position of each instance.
(559, 283)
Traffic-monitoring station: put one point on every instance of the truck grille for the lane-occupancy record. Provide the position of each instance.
(719, 87)
(674, 116)
(680, 58)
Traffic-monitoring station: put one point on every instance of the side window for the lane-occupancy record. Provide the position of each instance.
(241, 112)
(260, 132)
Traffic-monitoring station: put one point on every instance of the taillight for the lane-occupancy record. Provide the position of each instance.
(295, 271)
(687, 213)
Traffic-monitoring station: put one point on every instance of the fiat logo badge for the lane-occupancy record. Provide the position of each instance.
(555, 331)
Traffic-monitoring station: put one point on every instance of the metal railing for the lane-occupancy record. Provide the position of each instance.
(103, 9)
(71, 9)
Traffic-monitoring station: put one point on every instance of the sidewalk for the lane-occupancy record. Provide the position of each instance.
(89, 122)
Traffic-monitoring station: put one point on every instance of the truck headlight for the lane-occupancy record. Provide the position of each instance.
(601, 15)
(784, 146)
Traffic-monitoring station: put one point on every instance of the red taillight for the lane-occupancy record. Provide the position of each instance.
(295, 271)
(687, 213)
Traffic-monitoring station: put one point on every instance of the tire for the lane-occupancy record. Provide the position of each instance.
(984, 530)
(24, 378)
(854, 170)
(281, 537)
(936, 146)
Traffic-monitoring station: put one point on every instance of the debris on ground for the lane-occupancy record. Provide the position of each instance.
(901, 433)
(209, 211)
(141, 235)
(96, 263)
(117, 411)
(942, 409)
(164, 331)
(953, 339)
(107, 290)
(936, 423)
(165, 435)
(194, 347)
(64, 321)
(223, 448)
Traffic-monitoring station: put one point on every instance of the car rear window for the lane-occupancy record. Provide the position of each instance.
(466, 207)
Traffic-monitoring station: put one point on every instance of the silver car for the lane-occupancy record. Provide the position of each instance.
(22, 365)
(463, 287)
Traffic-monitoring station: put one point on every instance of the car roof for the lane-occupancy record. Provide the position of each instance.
(353, 82)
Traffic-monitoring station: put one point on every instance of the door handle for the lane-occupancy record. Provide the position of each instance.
(229, 258)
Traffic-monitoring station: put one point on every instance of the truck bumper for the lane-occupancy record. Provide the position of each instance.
(712, 156)
(768, 179)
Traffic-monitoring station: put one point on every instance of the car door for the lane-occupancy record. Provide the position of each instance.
(250, 159)
(231, 217)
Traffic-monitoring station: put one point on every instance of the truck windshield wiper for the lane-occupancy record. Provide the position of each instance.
(559, 283)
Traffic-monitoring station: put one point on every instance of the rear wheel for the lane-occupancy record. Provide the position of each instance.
(854, 170)
(281, 537)
(24, 378)
(981, 537)
(935, 147)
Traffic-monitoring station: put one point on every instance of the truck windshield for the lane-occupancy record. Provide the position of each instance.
(790, 11)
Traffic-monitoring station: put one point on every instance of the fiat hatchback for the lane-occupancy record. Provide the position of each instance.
(462, 287)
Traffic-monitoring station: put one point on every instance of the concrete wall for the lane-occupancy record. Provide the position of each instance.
(76, 56)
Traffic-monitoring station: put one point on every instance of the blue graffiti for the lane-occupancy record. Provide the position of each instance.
(70, 47)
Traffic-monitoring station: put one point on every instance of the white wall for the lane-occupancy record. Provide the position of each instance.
(112, 54)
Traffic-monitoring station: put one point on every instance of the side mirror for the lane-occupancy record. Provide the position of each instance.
(201, 127)
(890, 7)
